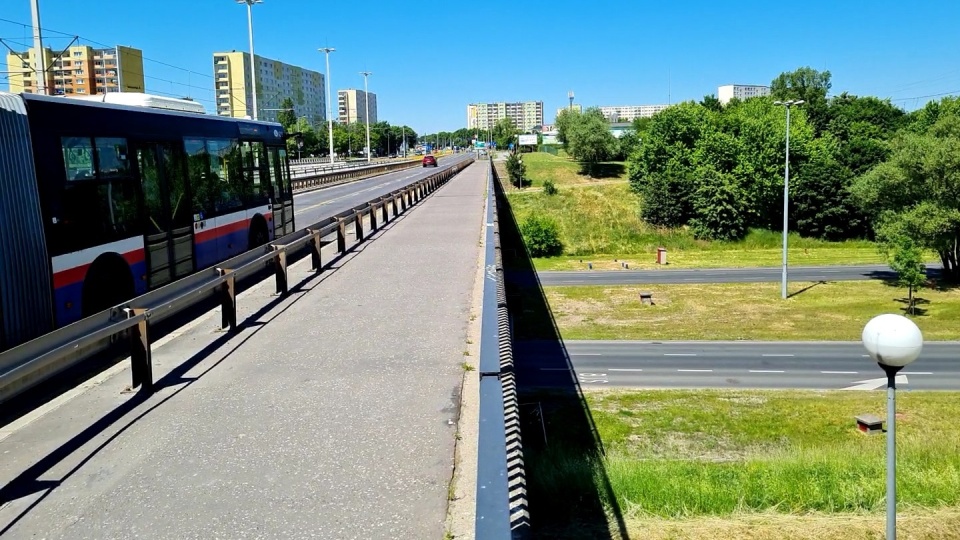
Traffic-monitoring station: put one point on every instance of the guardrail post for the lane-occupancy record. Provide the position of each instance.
(373, 217)
(403, 200)
(395, 211)
(280, 267)
(315, 250)
(341, 236)
(228, 300)
(141, 361)
(383, 206)
(358, 224)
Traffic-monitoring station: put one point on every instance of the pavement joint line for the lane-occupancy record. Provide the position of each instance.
(840, 372)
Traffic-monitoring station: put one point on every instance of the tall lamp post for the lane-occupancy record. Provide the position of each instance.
(893, 341)
(786, 192)
(327, 51)
(253, 58)
(366, 101)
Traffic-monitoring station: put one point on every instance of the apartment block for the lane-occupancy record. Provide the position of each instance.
(352, 106)
(740, 91)
(80, 70)
(628, 113)
(276, 81)
(525, 115)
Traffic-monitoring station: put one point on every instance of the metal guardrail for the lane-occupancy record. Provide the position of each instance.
(502, 509)
(33, 362)
(320, 177)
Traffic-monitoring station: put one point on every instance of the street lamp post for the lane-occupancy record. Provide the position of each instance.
(893, 341)
(327, 51)
(366, 101)
(786, 192)
(253, 58)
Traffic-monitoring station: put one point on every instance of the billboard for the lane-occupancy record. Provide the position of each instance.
(550, 139)
(528, 140)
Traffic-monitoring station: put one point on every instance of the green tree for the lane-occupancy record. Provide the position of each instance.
(711, 102)
(916, 193)
(589, 140)
(718, 207)
(667, 199)
(809, 85)
(821, 203)
(504, 133)
(906, 259)
(515, 169)
(563, 123)
(287, 117)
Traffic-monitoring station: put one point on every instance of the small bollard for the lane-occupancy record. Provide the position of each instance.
(589, 266)
(626, 265)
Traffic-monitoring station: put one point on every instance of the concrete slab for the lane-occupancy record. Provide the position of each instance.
(331, 414)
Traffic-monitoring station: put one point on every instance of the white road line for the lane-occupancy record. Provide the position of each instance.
(766, 371)
(776, 355)
(679, 354)
(864, 356)
(839, 372)
(624, 369)
(916, 373)
(695, 370)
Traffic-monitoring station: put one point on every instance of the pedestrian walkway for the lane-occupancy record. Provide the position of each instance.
(330, 414)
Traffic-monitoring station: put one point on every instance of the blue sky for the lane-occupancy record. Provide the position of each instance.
(429, 60)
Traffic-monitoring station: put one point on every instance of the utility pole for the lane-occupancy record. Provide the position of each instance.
(366, 106)
(327, 51)
(41, 60)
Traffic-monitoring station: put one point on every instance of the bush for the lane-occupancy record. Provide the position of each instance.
(549, 187)
(542, 236)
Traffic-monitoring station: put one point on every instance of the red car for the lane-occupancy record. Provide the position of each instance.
(429, 160)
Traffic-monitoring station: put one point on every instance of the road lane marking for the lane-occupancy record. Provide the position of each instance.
(839, 372)
(624, 369)
(695, 370)
(776, 355)
(916, 373)
(679, 354)
(766, 371)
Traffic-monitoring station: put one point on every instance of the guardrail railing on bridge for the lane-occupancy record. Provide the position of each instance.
(32, 362)
(502, 512)
(313, 178)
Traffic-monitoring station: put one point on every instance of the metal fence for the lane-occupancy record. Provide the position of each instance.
(35, 361)
(319, 177)
(502, 510)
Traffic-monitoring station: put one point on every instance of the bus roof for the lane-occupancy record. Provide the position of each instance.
(138, 99)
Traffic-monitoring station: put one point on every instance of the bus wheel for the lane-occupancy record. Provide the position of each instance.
(108, 283)
(258, 232)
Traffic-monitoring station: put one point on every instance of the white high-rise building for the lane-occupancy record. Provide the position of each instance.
(627, 113)
(741, 91)
(525, 115)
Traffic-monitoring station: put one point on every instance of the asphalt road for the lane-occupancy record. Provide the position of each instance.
(752, 364)
(721, 275)
(313, 206)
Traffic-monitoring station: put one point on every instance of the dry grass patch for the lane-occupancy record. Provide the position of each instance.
(744, 311)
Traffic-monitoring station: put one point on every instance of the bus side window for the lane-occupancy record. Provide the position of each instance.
(203, 183)
(100, 202)
(254, 160)
(226, 169)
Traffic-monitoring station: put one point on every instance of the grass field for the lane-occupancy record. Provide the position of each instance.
(760, 464)
(599, 221)
(750, 311)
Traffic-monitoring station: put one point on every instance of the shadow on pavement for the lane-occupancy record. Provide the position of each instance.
(568, 490)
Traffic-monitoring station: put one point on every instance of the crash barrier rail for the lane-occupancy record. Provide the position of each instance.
(502, 510)
(320, 177)
(35, 361)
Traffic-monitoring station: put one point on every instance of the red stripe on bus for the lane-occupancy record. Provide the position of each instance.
(211, 234)
(77, 273)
